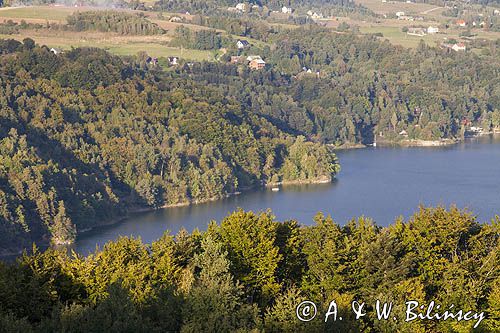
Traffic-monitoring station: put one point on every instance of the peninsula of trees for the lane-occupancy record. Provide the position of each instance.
(250, 272)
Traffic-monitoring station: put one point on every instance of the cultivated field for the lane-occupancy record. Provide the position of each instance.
(388, 7)
(156, 46)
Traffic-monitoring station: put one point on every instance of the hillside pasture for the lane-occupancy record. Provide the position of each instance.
(156, 46)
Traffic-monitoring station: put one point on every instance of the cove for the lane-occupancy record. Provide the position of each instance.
(382, 183)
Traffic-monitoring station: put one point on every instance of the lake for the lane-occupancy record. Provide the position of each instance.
(381, 183)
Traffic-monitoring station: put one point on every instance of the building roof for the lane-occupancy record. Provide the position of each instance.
(259, 61)
(253, 57)
(244, 42)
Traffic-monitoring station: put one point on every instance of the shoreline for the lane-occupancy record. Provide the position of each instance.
(119, 219)
(116, 220)
(400, 143)
(187, 203)
(418, 143)
(135, 210)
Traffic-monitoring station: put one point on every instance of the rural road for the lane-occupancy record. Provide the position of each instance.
(430, 10)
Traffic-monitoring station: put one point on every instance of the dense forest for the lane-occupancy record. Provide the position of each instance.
(86, 136)
(113, 21)
(339, 88)
(250, 272)
(200, 40)
(373, 86)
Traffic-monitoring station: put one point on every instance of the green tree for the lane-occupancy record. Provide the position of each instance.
(250, 240)
(215, 302)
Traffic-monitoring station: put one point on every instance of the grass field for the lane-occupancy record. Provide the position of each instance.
(397, 37)
(155, 46)
(37, 14)
(380, 7)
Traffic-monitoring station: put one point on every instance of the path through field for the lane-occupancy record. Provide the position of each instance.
(430, 10)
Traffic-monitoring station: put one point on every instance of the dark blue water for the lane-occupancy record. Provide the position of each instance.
(381, 183)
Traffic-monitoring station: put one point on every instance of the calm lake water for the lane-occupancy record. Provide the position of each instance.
(381, 183)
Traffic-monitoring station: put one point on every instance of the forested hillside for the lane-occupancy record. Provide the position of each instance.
(250, 272)
(366, 87)
(86, 136)
(339, 88)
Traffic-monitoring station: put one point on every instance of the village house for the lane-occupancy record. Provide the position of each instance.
(173, 61)
(461, 23)
(257, 64)
(405, 18)
(242, 7)
(236, 59)
(432, 30)
(314, 15)
(416, 32)
(455, 47)
(286, 10)
(241, 44)
(458, 47)
(56, 50)
(175, 19)
(253, 57)
(398, 14)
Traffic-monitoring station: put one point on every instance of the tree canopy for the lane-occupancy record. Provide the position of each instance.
(249, 274)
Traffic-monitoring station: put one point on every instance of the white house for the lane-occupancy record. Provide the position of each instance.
(316, 16)
(286, 10)
(416, 32)
(173, 61)
(458, 47)
(242, 7)
(241, 44)
(56, 50)
(432, 30)
(398, 14)
(253, 57)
